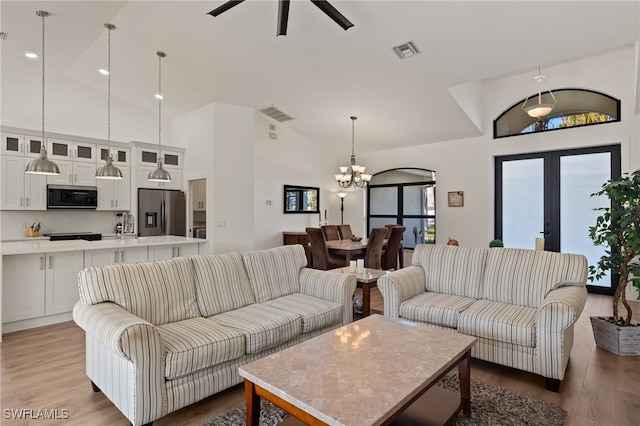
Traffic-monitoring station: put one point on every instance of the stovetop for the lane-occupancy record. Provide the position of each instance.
(66, 236)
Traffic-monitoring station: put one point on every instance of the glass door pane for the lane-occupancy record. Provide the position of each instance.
(581, 176)
(522, 202)
(383, 201)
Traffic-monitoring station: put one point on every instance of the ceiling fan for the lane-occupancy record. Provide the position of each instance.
(283, 13)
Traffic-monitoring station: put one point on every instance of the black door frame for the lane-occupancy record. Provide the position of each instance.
(552, 194)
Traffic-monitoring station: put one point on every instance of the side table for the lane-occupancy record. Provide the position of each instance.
(366, 281)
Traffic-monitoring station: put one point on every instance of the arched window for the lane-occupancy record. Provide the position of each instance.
(575, 107)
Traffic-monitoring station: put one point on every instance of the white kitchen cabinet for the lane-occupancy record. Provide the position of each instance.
(115, 194)
(148, 157)
(199, 195)
(121, 156)
(21, 145)
(74, 173)
(75, 151)
(169, 251)
(105, 257)
(142, 172)
(23, 280)
(61, 282)
(40, 284)
(20, 190)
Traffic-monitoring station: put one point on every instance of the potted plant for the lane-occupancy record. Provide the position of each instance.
(496, 243)
(618, 229)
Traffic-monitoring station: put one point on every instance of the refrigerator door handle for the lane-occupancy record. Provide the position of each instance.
(163, 218)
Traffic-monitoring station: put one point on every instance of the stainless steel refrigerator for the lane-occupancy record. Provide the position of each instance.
(161, 212)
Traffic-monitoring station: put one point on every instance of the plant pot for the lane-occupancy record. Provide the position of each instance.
(615, 338)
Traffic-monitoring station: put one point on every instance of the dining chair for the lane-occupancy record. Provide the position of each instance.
(389, 226)
(320, 257)
(373, 255)
(330, 232)
(391, 252)
(345, 232)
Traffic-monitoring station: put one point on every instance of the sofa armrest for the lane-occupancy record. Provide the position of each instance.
(331, 286)
(116, 338)
(560, 309)
(401, 285)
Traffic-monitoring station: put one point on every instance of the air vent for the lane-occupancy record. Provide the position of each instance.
(276, 114)
(406, 50)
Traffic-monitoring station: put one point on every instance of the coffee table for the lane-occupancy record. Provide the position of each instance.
(365, 280)
(370, 372)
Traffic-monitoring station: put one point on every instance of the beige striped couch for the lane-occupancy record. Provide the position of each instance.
(163, 335)
(520, 304)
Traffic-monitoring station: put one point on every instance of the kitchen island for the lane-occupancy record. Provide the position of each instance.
(39, 284)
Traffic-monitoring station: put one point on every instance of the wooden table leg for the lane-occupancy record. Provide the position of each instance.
(252, 401)
(366, 299)
(464, 376)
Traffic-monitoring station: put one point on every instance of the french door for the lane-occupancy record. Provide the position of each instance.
(548, 195)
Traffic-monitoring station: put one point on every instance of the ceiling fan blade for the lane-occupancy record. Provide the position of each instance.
(225, 6)
(333, 13)
(283, 17)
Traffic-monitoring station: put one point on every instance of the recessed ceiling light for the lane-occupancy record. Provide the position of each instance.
(31, 55)
(159, 96)
(103, 71)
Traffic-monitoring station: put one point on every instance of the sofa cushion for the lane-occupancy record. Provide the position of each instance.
(197, 343)
(435, 308)
(503, 322)
(452, 269)
(275, 272)
(222, 283)
(315, 313)
(158, 292)
(524, 277)
(264, 326)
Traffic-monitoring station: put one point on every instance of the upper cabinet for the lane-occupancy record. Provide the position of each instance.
(199, 195)
(121, 155)
(20, 145)
(147, 159)
(59, 149)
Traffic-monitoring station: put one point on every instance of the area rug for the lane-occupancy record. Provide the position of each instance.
(490, 406)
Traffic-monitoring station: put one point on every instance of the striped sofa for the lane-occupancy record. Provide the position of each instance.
(163, 335)
(520, 304)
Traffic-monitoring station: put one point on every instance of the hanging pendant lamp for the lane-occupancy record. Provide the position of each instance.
(539, 109)
(42, 165)
(353, 175)
(109, 171)
(159, 174)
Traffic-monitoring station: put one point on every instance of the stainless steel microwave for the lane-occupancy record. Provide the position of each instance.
(72, 197)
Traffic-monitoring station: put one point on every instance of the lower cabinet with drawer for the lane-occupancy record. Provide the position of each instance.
(168, 251)
(105, 257)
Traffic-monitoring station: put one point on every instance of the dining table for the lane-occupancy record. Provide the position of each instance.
(347, 248)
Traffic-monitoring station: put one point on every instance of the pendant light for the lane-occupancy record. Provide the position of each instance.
(42, 165)
(539, 109)
(109, 171)
(353, 175)
(159, 174)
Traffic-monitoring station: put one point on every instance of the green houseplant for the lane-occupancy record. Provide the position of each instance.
(496, 243)
(618, 229)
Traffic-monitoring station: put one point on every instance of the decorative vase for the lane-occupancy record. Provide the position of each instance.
(621, 340)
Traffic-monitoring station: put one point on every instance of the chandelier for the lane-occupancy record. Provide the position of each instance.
(538, 110)
(353, 175)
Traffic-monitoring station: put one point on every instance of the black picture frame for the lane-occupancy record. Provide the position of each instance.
(301, 199)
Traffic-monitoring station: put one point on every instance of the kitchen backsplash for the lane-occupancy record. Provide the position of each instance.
(15, 223)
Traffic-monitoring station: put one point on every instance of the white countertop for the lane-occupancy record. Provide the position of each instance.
(40, 245)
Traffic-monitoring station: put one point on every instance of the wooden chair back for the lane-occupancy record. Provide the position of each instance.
(330, 232)
(392, 250)
(320, 257)
(345, 232)
(373, 255)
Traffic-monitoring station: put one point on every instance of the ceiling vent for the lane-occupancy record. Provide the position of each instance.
(406, 50)
(276, 114)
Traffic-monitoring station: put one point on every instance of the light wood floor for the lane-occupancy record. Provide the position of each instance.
(43, 368)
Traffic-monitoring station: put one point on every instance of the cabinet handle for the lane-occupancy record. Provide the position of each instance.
(27, 201)
(121, 256)
(21, 202)
(75, 177)
(70, 178)
(41, 263)
(116, 203)
(50, 262)
(115, 256)
(111, 203)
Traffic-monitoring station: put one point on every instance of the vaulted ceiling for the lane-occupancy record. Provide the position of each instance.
(318, 74)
